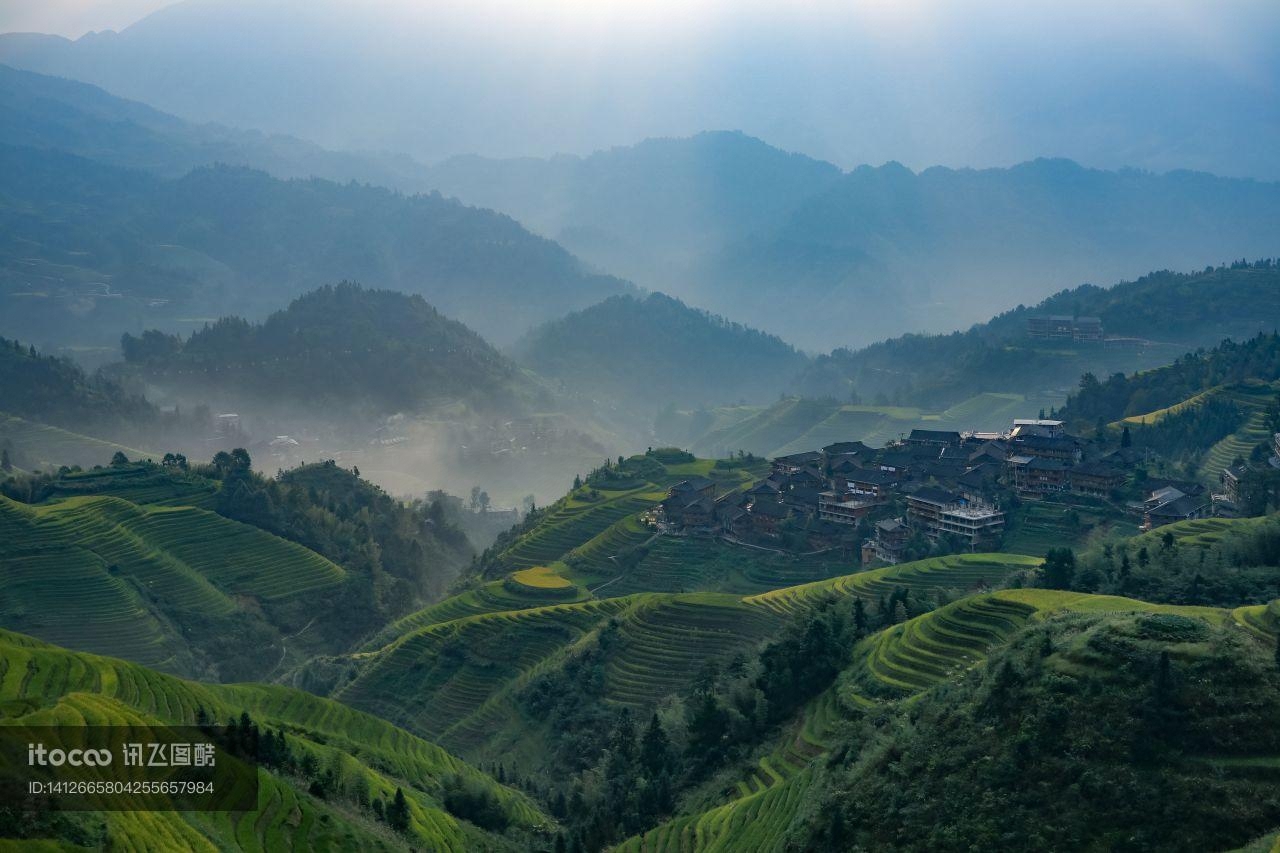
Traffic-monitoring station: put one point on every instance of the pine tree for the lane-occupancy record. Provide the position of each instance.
(1277, 651)
(398, 812)
(1126, 440)
(6, 464)
(859, 618)
(655, 749)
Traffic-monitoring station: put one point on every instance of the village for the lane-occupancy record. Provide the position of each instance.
(935, 492)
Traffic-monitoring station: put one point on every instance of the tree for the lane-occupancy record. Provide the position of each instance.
(6, 464)
(655, 748)
(240, 460)
(1059, 568)
(1277, 651)
(398, 812)
(118, 459)
(1126, 440)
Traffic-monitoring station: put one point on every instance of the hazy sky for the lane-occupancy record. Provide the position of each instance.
(73, 18)
(1159, 84)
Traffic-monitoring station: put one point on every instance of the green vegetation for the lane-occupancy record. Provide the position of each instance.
(1161, 716)
(1198, 308)
(645, 353)
(226, 235)
(211, 570)
(345, 765)
(33, 445)
(1254, 360)
(339, 346)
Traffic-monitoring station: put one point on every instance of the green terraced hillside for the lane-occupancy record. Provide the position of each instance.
(1037, 526)
(570, 525)
(140, 484)
(960, 573)
(454, 672)
(43, 684)
(912, 657)
(178, 588)
(904, 662)
(39, 446)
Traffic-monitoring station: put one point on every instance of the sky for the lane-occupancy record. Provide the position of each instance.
(73, 18)
(1156, 84)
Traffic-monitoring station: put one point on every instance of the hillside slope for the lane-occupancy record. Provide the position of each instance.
(124, 248)
(335, 349)
(639, 355)
(78, 118)
(368, 759)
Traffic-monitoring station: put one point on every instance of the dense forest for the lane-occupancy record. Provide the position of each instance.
(644, 353)
(340, 347)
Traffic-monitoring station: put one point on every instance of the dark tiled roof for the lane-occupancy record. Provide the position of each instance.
(841, 448)
(1180, 508)
(874, 476)
(929, 494)
(934, 435)
(770, 509)
(807, 457)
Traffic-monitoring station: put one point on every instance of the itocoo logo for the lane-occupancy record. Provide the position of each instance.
(38, 754)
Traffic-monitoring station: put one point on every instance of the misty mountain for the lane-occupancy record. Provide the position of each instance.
(829, 259)
(336, 349)
(55, 113)
(640, 354)
(1106, 84)
(1163, 315)
(651, 211)
(88, 250)
(888, 248)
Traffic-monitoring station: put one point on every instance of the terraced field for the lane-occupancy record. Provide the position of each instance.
(445, 680)
(105, 574)
(1254, 399)
(909, 658)
(1200, 532)
(39, 446)
(927, 650)
(42, 684)
(685, 564)
(663, 641)
(751, 824)
(959, 572)
(139, 484)
(573, 523)
(1263, 620)
(1039, 526)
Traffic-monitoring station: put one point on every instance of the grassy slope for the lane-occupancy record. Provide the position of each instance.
(103, 573)
(38, 445)
(43, 684)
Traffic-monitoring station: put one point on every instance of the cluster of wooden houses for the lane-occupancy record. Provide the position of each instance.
(934, 483)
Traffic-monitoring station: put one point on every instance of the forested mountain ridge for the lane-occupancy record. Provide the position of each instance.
(340, 347)
(95, 248)
(1169, 312)
(645, 353)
